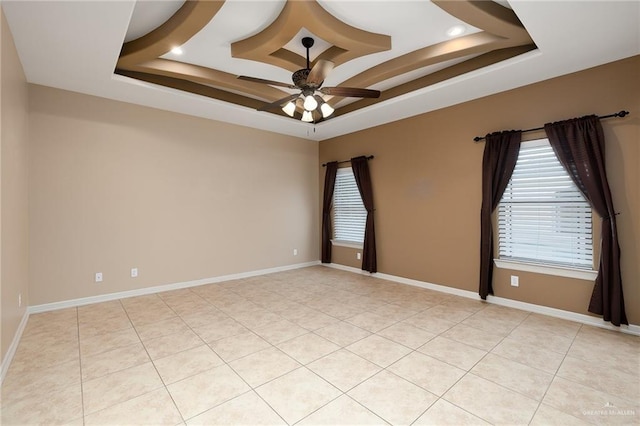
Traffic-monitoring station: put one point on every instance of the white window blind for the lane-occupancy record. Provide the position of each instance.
(349, 214)
(543, 217)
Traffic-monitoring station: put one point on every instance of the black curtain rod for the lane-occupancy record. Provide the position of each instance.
(371, 157)
(617, 114)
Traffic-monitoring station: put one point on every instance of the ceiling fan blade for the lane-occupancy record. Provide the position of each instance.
(319, 72)
(278, 103)
(351, 92)
(263, 81)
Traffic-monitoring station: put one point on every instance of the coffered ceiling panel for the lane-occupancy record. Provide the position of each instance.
(420, 55)
(415, 44)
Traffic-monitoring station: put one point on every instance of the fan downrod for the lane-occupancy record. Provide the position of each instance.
(307, 42)
(300, 77)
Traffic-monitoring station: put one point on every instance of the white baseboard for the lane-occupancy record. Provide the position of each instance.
(8, 357)
(161, 288)
(539, 309)
(6, 362)
(545, 310)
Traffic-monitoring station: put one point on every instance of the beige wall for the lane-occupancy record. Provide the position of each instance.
(14, 231)
(116, 186)
(427, 181)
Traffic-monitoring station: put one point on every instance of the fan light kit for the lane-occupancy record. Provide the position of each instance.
(310, 105)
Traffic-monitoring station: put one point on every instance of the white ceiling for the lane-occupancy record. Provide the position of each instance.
(74, 45)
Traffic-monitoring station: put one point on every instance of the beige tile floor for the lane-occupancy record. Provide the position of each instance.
(317, 346)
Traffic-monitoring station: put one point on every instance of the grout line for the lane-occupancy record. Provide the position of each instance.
(152, 363)
(245, 291)
(466, 372)
(302, 365)
(80, 364)
(219, 404)
(251, 388)
(330, 384)
(555, 374)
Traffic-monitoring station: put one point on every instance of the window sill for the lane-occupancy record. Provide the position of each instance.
(346, 244)
(559, 271)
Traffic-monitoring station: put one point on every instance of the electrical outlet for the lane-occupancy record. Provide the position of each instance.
(515, 281)
(295, 252)
(20, 300)
(134, 272)
(98, 277)
(358, 256)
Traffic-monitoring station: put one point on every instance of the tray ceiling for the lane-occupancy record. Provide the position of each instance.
(122, 50)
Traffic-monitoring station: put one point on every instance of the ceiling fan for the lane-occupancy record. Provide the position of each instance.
(309, 81)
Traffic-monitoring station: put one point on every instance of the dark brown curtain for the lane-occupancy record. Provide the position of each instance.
(579, 145)
(329, 185)
(360, 168)
(500, 155)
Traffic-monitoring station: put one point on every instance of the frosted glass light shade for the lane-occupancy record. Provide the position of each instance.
(307, 117)
(310, 103)
(326, 109)
(289, 108)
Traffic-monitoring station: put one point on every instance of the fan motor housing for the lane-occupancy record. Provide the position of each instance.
(300, 77)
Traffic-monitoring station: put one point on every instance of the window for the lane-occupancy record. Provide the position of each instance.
(542, 217)
(349, 214)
